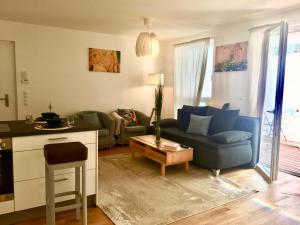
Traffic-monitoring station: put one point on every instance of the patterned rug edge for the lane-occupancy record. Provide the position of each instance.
(202, 211)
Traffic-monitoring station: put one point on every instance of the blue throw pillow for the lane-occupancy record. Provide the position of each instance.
(231, 136)
(199, 124)
(198, 110)
(222, 120)
(184, 115)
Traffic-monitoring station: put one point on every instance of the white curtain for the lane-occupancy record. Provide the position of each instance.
(257, 55)
(190, 70)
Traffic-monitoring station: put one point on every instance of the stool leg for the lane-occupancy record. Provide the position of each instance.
(47, 194)
(51, 196)
(84, 199)
(77, 190)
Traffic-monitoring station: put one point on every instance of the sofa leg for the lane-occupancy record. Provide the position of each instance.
(216, 172)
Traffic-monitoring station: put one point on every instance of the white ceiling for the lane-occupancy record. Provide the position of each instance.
(171, 18)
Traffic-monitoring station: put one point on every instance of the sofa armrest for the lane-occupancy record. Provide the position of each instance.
(142, 118)
(107, 121)
(252, 125)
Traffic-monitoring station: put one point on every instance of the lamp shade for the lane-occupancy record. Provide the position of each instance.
(147, 45)
(156, 79)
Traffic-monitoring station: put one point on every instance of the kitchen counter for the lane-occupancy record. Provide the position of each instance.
(19, 128)
(29, 162)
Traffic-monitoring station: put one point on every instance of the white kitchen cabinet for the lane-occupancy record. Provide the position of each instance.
(6, 207)
(31, 164)
(27, 143)
(29, 168)
(31, 193)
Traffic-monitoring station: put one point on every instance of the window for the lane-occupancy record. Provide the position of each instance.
(189, 60)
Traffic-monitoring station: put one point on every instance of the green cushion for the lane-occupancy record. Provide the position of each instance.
(135, 129)
(199, 124)
(222, 120)
(92, 118)
(231, 136)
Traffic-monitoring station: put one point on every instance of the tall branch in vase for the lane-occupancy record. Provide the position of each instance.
(158, 107)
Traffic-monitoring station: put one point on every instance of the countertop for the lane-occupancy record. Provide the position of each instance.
(19, 128)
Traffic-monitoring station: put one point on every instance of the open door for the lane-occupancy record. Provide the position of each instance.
(8, 103)
(273, 71)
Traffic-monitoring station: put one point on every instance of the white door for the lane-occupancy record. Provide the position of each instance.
(8, 108)
(275, 45)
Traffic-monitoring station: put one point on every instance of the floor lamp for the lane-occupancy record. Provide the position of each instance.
(156, 79)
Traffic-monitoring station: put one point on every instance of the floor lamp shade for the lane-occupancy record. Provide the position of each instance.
(156, 79)
(147, 45)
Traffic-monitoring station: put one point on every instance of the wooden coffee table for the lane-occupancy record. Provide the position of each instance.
(147, 146)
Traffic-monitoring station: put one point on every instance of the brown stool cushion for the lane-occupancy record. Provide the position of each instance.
(65, 152)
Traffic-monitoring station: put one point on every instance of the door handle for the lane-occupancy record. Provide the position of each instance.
(6, 99)
(58, 138)
(61, 180)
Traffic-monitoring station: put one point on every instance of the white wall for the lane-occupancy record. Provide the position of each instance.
(56, 60)
(227, 87)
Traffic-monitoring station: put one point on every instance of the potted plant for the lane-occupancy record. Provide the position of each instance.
(158, 107)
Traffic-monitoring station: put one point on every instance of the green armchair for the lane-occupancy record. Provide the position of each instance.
(106, 126)
(123, 132)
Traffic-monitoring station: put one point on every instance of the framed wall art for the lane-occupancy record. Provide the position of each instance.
(231, 57)
(102, 60)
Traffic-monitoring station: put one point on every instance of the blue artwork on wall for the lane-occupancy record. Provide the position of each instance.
(231, 57)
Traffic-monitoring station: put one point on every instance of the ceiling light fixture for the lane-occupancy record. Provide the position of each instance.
(147, 43)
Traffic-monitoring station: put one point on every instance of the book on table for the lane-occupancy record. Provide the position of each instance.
(170, 147)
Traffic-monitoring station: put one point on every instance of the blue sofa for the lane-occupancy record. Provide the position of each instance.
(214, 155)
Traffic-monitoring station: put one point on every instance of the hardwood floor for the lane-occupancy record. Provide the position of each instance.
(276, 204)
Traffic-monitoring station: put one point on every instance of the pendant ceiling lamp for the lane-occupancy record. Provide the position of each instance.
(147, 43)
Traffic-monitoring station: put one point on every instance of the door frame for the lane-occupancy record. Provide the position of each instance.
(15, 78)
(272, 175)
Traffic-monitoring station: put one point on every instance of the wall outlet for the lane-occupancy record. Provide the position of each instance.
(25, 98)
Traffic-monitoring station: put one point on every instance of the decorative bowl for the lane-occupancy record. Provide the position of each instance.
(54, 122)
(47, 115)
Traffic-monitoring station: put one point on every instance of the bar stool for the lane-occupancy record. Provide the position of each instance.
(61, 156)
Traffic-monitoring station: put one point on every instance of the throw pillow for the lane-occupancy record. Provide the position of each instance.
(93, 119)
(129, 116)
(199, 124)
(199, 110)
(184, 115)
(231, 136)
(222, 120)
(226, 106)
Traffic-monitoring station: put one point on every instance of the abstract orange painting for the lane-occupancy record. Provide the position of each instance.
(102, 60)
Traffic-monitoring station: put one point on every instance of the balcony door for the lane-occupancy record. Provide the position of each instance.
(273, 71)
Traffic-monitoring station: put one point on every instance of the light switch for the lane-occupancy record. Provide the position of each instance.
(24, 77)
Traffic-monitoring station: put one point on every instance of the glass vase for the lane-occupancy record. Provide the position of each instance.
(157, 129)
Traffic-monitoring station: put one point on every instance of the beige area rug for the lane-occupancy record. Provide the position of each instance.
(131, 192)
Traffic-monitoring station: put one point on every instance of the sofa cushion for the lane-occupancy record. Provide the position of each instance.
(194, 140)
(199, 124)
(135, 129)
(222, 120)
(195, 109)
(103, 132)
(185, 114)
(129, 116)
(93, 119)
(226, 106)
(231, 136)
